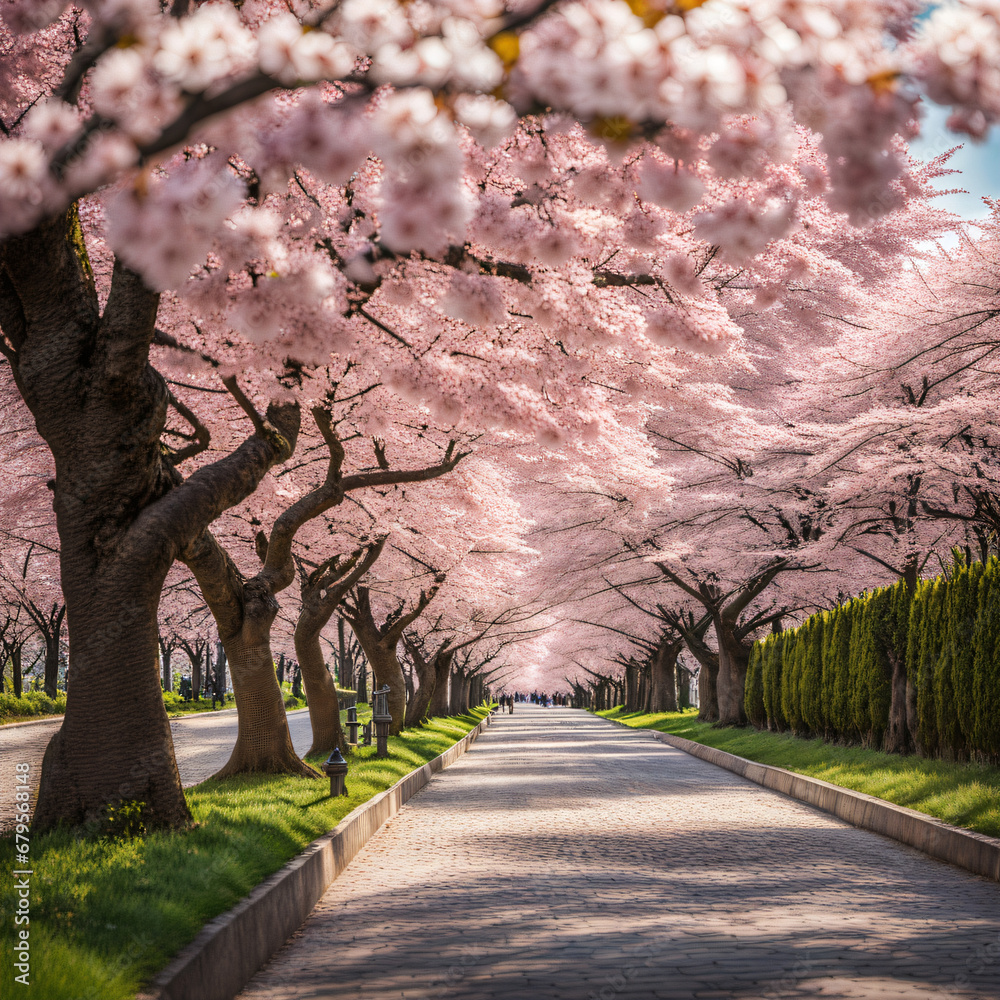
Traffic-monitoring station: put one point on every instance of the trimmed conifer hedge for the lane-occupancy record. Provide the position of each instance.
(832, 675)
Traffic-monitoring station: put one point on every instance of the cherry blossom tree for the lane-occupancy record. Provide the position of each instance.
(213, 159)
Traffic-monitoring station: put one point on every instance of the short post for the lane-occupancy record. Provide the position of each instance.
(366, 734)
(352, 725)
(335, 767)
(381, 718)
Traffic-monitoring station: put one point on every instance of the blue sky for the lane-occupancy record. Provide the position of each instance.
(979, 163)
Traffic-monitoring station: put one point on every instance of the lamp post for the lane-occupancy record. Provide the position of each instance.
(381, 718)
(352, 725)
(335, 767)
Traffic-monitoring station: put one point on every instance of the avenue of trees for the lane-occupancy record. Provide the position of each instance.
(540, 345)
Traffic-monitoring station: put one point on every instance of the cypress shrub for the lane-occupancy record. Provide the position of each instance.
(858, 667)
(839, 664)
(956, 685)
(927, 640)
(753, 692)
(811, 678)
(791, 672)
(869, 667)
(985, 729)
(772, 680)
(833, 673)
(956, 622)
(887, 605)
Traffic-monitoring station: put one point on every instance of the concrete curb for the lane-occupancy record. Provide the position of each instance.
(966, 849)
(230, 949)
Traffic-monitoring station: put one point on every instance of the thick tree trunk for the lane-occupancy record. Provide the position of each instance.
(476, 690)
(662, 666)
(263, 743)
(631, 686)
(386, 669)
(52, 640)
(734, 659)
(459, 703)
(196, 676)
(419, 706)
(442, 673)
(122, 513)
(708, 692)
(114, 743)
(683, 686)
(321, 691)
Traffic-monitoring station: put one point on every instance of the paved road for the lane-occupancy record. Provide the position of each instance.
(202, 744)
(564, 857)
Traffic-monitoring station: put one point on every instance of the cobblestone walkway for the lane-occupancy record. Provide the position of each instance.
(565, 857)
(202, 744)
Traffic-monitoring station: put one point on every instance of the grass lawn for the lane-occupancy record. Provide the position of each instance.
(107, 914)
(966, 795)
(35, 705)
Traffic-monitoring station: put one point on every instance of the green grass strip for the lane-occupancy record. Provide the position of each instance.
(107, 915)
(965, 795)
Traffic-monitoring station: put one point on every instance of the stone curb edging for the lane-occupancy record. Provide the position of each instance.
(966, 849)
(230, 949)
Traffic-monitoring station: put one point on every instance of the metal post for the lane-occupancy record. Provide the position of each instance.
(352, 725)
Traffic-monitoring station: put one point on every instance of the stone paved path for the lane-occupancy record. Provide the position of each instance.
(202, 744)
(565, 857)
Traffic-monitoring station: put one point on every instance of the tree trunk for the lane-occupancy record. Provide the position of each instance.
(363, 682)
(734, 659)
(631, 686)
(459, 703)
(343, 667)
(708, 692)
(410, 683)
(386, 670)
(114, 743)
(476, 691)
(165, 656)
(15, 663)
(683, 686)
(381, 655)
(321, 691)
(419, 707)
(52, 639)
(196, 675)
(440, 698)
(263, 743)
(663, 665)
(122, 513)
